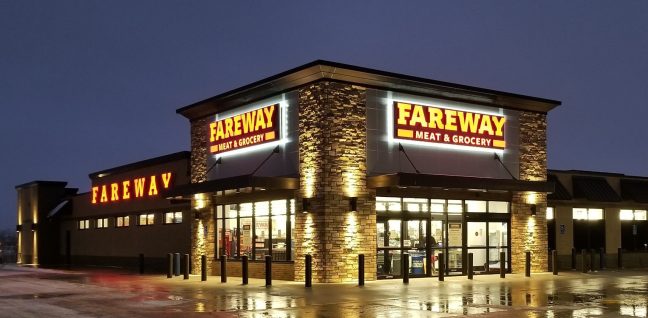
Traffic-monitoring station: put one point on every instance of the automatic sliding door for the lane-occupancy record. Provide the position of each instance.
(389, 248)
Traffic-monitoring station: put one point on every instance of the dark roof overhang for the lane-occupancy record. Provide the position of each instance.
(595, 189)
(231, 183)
(560, 192)
(456, 182)
(636, 190)
(326, 70)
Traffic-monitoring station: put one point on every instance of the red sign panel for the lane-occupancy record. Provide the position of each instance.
(244, 130)
(448, 126)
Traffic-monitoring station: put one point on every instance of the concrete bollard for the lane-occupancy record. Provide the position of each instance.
(554, 261)
(308, 262)
(405, 268)
(502, 264)
(170, 265)
(470, 266)
(186, 266)
(244, 269)
(527, 265)
(203, 268)
(268, 270)
(141, 264)
(441, 267)
(176, 264)
(361, 270)
(223, 269)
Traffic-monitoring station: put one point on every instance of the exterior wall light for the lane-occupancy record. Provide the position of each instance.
(353, 204)
(534, 210)
(34, 227)
(196, 214)
(19, 227)
(305, 205)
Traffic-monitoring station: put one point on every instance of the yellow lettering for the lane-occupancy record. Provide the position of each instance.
(468, 122)
(248, 122)
(485, 125)
(268, 111)
(125, 190)
(499, 125)
(220, 134)
(436, 117)
(95, 191)
(450, 119)
(237, 125)
(212, 132)
(114, 192)
(139, 187)
(403, 112)
(260, 122)
(152, 187)
(228, 128)
(104, 194)
(166, 178)
(418, 117)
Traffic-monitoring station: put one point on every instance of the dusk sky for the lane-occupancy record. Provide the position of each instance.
(89, 85)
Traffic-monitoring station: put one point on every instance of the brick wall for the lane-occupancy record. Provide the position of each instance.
(332, 165)
(529, 233)
(280, 271)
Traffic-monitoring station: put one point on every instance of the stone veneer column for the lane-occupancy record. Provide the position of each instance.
(332, 165)
(529, 233)
(202, 228)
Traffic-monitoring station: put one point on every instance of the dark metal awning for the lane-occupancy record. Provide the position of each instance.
(456, 182)
(635, 190)
(594, 189)
(560, 192)
(238, 182)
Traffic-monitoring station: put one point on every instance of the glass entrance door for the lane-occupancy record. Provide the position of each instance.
(396, 237)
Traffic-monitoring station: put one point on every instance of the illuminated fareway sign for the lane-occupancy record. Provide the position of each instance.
(448, 126)
(244, 130)
(135, 188)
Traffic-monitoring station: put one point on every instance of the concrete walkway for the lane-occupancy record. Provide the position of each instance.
(26, 292)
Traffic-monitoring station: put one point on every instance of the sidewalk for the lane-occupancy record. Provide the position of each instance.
(101, 293)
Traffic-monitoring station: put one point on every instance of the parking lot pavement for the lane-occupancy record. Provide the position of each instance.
(28, 292)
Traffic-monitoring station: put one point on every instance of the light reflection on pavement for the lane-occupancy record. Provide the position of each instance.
(26, 292)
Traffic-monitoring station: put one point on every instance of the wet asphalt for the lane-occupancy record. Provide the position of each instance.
(27, 292)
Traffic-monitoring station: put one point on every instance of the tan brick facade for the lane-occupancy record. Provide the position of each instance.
(529, 233)
(332, 155)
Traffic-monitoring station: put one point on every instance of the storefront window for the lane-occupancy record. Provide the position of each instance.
(172, 217)
(437, 206)
(262, 229)
(498, 207)
(632, 215)
(415, 205)
(146, 219)
(455, 206)
(388, 204)
(587, 214)
(475, 206)
(122, 221)
(550, 213)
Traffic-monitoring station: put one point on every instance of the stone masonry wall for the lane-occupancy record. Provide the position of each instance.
(202, 228)
(332, 155)
(529, 233)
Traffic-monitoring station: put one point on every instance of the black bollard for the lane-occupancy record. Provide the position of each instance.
(268, 270)
(584, 262)
(554, 261)
(223, 269)
(176, 262)
(186, 266)
(406, 268)
(203, 268)
(170, 265)
(361, 270)
(141, 264)
(601, 258)
(592, 262)
(502, 264)
(620, 258)
(441, 267)
(244, 269)
(470, 265)
(527, 267)
(308, 262)
(573, 259)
